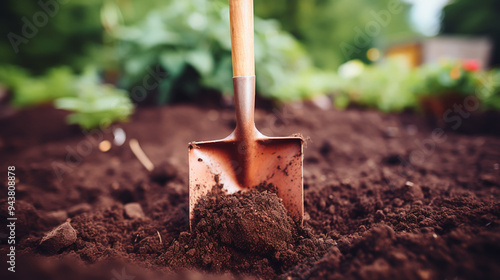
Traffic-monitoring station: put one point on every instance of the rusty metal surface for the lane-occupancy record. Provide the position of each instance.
(246, 158)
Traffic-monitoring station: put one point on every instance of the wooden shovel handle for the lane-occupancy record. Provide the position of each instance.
(242, 37)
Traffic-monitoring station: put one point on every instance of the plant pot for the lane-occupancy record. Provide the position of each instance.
(471, 122)
(435, 106)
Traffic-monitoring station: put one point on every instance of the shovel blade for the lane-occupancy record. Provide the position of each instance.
(276, 164)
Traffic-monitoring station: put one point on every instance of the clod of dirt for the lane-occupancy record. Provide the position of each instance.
(57, 239)
(163, 173)
(412, 191)
(251, 221)
(133, 210)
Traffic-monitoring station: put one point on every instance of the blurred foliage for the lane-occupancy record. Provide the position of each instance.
(65, 36)
(73, 35)
(326, 26)
(489, 89)
(93, 104)
(391, 86)
(28, 90)
(447, 77)
(385, 86)
(194, 48)
(474, 17)
(190, 40)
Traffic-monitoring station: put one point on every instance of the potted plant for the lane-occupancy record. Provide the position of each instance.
(440, 86)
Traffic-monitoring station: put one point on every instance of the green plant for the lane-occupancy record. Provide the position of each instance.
(392, 86)
(95, 104)
(447, 77)
(385, 86)
(194, 48)
(335, 31)
(28, 90)
(489, 90)
(76, 25)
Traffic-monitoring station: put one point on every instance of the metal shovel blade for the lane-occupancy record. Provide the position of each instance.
(278, 167)
(246, 159)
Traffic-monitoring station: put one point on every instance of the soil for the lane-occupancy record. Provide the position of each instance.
(386, 196)
(248, 233)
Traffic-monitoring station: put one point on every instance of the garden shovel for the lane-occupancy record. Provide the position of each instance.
(247, 159)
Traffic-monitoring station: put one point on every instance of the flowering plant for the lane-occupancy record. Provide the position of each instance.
(448, 77)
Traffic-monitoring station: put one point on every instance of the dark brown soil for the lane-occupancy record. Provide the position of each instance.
(253, 221)
(245, 233)
(386, 196)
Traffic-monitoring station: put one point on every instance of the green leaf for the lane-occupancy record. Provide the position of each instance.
(201, 60)
(173, 61)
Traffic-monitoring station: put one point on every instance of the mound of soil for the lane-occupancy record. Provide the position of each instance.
(245, 233)
(252, 221)
(386, 196)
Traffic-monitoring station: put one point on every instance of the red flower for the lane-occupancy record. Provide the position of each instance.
(471, 65)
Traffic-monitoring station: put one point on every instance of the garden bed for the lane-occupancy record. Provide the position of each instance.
(386, 197)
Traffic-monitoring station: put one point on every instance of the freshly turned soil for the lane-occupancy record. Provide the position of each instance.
(385, 198)
(247, 232)
(251, 221)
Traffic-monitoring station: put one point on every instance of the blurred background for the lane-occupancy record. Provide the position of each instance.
(99, 59)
